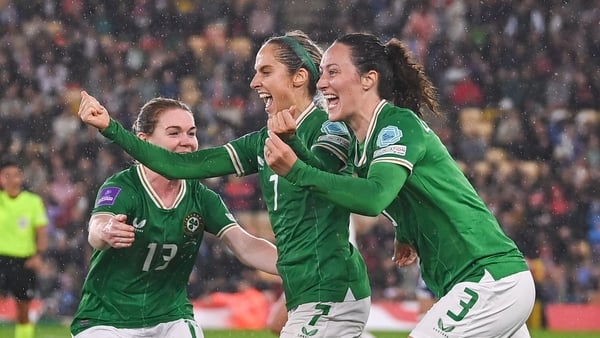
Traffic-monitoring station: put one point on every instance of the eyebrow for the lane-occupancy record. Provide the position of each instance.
(329, 66)
(262, 68)
(179, 127)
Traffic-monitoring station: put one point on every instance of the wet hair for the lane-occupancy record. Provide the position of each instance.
(296, 51)
(402, 80)
(150, 113)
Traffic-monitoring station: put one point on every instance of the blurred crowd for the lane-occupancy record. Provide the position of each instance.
(519, 82)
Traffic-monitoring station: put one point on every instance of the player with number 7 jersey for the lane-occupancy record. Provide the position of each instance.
(316, 261)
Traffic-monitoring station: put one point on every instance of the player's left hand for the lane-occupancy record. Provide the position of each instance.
(404, 254)
(92, 112)
(278, 155)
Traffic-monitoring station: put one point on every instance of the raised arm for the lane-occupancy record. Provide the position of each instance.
(204, 163)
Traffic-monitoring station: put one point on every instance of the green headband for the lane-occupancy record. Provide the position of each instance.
(302, 54)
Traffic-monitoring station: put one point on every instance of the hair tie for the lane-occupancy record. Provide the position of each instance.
(302, 54)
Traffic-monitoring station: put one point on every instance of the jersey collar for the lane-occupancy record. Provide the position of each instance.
(154, 196)
(305, 114)
(363, 155)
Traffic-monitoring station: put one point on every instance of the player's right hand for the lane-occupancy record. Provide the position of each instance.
(92, 112)
(117, 233)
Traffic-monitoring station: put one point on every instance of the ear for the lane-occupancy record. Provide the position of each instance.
(143, 136)
(369, 80)
(300, 77)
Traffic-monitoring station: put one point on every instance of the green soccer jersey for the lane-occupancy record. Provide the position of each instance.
(20, 217)
(316, 261)
(146, 284)
(437, 210)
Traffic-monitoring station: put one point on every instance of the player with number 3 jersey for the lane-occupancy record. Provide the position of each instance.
(483, 284)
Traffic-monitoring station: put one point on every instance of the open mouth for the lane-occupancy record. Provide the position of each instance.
(332, 100)
(268, 99)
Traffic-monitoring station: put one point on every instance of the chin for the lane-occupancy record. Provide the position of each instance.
(334, 117)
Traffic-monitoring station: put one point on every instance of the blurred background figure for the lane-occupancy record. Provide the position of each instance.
(23, 242)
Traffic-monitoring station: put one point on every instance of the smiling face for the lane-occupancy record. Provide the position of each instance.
(272, 80)
(175, 130)
(340, 83)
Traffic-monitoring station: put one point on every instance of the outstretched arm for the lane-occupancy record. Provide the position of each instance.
(204, 163)
(367, 196)
(251, 250)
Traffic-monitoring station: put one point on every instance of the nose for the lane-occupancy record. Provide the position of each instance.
(188, 140)
(322, 83)
(254, 82)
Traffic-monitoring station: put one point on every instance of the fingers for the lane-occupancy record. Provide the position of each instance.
(117, 233)
(120, 218)
(272, 144)
(283, 122)
(92, 112)
(273, 141)
(89, 106)
(288, 117)
(284, 119)
(278, 155)
(404, 255)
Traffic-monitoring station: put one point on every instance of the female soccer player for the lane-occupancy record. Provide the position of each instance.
(483, 284)
(146, 231)
(324, 277)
